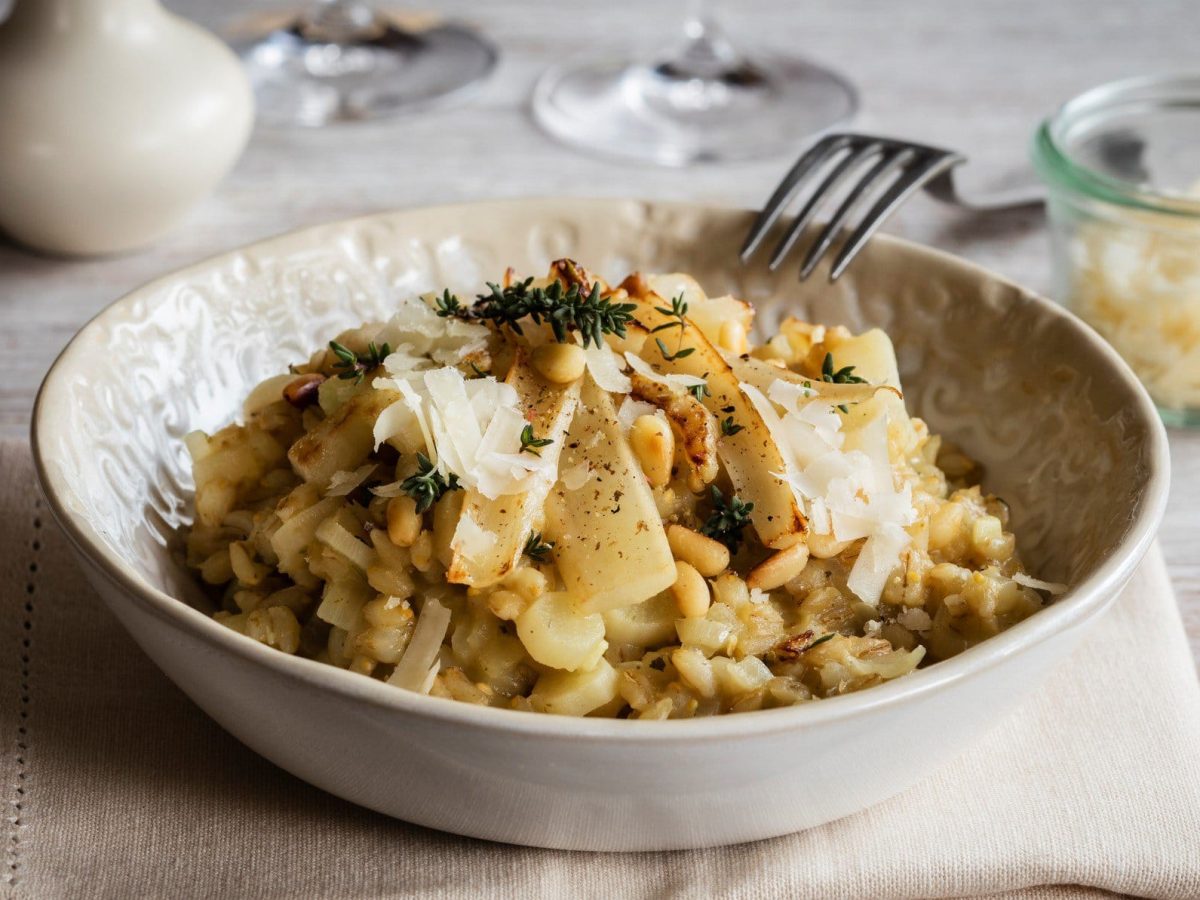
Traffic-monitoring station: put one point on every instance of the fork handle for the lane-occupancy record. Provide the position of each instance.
(1024, 196)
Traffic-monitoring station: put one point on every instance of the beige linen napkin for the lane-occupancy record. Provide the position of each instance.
(117, 786)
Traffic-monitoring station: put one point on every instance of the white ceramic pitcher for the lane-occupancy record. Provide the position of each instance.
(116, 117)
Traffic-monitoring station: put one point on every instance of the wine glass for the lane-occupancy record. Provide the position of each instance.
(704, 102)
(342, 60)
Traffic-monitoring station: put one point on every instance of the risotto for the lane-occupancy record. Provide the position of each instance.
(569, 497)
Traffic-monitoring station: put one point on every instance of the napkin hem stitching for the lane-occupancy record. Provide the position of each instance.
(17, 802)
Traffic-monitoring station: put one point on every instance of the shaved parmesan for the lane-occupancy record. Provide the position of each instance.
(471, 428)
(422, 339)
(849, 494)
(632, 409)
(343, 483)
(576, 476)
(1051, 587)
(471, 540)
(677, 381)
(422, 652)
(389, 490)
(606, 370)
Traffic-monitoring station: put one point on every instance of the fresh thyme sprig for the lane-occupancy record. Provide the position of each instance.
(844, 375)
(678, 354)
(565, 310)
(427, 485)
(356, 365)
(678, 311)
(537, 549)
(728, 519)
(729, 427)
(699, 391)
(531, 444)
(449, 305)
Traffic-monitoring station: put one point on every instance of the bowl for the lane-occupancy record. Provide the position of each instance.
(1067, 435)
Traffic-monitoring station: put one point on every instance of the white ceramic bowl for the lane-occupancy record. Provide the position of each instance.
(1067, 434)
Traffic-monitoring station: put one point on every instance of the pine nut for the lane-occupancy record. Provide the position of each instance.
(403, 521)
(506, 605)
(559, 363)
(710, 558)
(690, 591)
(825, 546)
(732, 337)
(526, 581)
(422, 552)
(654, 445)
(779, 568)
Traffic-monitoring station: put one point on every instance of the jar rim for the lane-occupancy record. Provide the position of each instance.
(1056, 166)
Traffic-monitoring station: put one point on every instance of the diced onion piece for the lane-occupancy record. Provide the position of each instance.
(704, 634)
(332, 533)
(558, 635)
(294, 535)
(1050, 587)
(576, 693)
(741, 677)
(342, 603)
(414, 666)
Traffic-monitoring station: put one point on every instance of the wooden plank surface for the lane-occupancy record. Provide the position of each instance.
(975, 76)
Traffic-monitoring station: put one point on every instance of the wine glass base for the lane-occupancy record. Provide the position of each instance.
(650, 114)
(300, 80)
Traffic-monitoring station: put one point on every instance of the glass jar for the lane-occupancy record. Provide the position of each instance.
(1122, 167)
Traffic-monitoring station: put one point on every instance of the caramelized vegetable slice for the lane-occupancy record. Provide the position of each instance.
(750, 456)
(610, 544)
(694, 426)
(341, 442)
(502, 525)
(762, 375)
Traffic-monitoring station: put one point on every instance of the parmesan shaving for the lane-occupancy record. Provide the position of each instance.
(677, 381)
(343, 483)
(422, 652)
(389, 490)
(605, 368)
(1050, 587)
(422, 339)
(471, 540)
(575, 477)
(471, 428)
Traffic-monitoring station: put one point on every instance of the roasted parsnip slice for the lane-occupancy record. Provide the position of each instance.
(694, 426)
(341, 442)
(610, 544)
(750, 456)
(507, 521)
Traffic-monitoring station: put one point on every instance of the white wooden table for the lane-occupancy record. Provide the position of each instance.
(975, 76)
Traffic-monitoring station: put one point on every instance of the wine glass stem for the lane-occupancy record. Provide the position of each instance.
(706, 52)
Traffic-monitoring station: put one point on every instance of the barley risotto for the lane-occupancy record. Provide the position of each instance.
(573, 498)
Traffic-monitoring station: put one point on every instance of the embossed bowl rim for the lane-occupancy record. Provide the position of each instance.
(1086, 599)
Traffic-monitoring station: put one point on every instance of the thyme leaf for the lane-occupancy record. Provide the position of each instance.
(729, 517)
(427, 484)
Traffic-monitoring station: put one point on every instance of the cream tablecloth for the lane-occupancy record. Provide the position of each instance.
(115, 785)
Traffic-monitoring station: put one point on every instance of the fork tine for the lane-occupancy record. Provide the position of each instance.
(912, 180)
(839, 174)
(791, 183)
(887, 164)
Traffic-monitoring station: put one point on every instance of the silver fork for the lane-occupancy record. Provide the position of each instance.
(902, 166)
